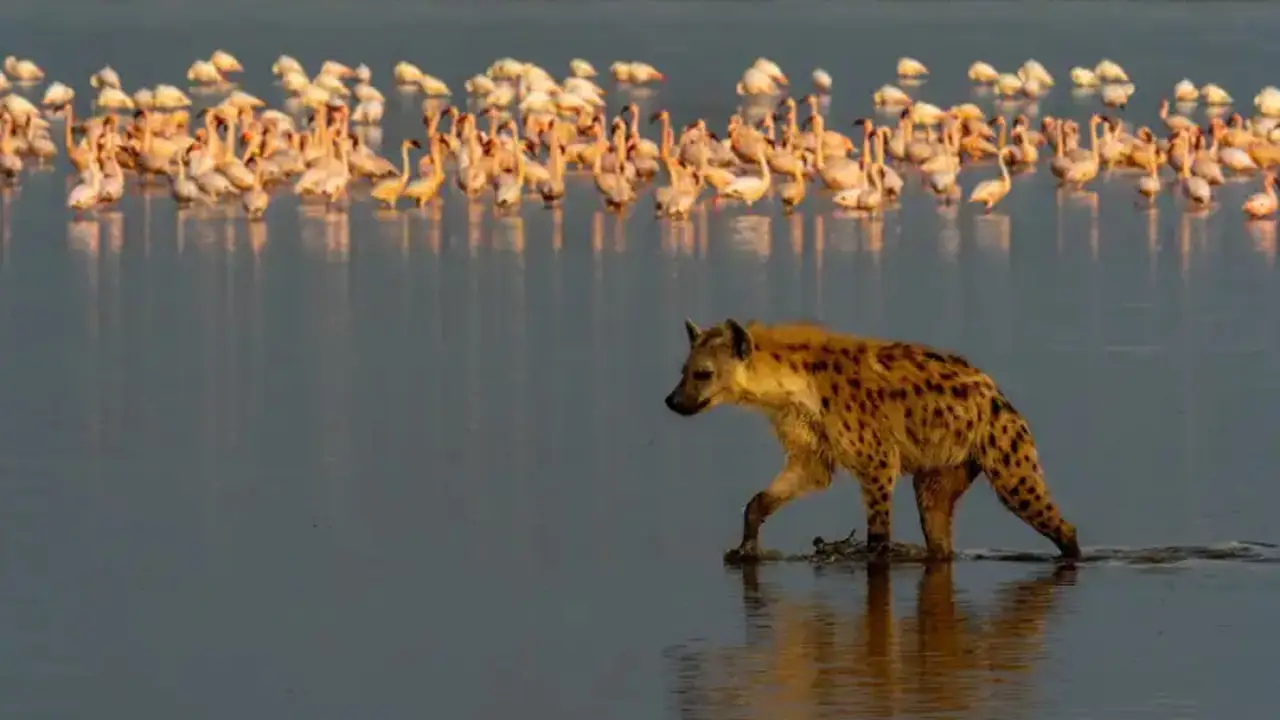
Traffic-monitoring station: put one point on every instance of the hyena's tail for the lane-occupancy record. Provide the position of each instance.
(1008, 457)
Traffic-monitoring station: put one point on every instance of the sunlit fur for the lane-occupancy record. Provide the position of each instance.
(877, 408)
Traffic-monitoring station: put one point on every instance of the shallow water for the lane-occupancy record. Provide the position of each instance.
(372, 465)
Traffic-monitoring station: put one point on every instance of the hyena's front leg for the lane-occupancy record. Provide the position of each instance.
(803, 473)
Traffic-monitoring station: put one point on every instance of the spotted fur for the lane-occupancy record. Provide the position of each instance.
(879, 409)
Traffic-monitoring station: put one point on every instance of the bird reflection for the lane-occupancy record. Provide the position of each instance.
(205, 232)
(180, 218)
(1006, 106)
(394, 226)
(991, 233)
(1184, 246)
(819, 248)
(619, 234)
(677, 238)
(597, 232)
(6, 224)
(508, 234)
(751, 233)
(873, 235)
(475, 227)
(386, 217)
(703, 233)
(796, 233)
(949, 233)
(811, 658)
(1083, 199)
(113, 223)
(229, 236)
(432, 209)
(1094, 234)
(557, 229)
(1263, 235)
(435, 230)
(337, 237)
(257, 233)
(83, 236)
(845, 237)
(1153, 232)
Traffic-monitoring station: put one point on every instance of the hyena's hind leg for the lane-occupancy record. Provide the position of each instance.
(1008, 457)
(937, 492)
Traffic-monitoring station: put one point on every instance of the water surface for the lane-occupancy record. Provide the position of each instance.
(388, 466)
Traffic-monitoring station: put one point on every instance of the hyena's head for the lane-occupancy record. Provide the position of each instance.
(712, 372)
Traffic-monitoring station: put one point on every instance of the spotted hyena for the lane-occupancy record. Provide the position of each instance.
(879, 409)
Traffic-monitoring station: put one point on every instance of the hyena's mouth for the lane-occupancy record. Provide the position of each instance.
(683, 407)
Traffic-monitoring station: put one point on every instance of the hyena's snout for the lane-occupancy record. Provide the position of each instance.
(683, 402)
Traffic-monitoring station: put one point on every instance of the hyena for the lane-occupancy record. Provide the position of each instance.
(879, 409)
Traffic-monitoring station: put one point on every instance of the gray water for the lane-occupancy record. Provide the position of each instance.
(418, 465)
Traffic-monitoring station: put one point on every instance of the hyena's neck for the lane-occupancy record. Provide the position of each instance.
(773, 382)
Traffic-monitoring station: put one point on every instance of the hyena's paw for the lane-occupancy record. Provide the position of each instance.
(744, 554)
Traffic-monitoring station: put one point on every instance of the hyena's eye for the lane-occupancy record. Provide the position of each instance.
(702, 375)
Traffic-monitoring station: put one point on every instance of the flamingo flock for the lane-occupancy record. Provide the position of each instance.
(522, 133)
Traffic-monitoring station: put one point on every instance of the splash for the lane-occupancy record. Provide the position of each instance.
(852, 550)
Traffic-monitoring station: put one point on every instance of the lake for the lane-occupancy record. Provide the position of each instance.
(418, 464)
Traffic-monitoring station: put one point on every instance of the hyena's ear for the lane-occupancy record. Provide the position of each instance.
(740, 339)
(692, 330)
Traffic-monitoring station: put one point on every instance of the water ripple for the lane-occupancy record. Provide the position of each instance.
(852, 550)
